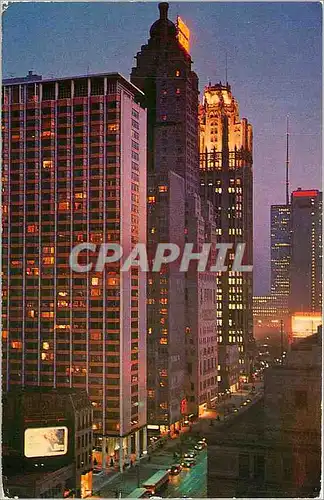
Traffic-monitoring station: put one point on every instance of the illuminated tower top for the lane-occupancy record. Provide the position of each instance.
(218, 101)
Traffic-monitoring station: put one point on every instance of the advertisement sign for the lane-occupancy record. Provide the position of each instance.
(45, 442)
(305, 324)
(183, 406)
(183, 34)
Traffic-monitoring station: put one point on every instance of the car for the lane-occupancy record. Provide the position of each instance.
(96, 471)
(199, 447)
(248, 400)
(175, 469)
(188, 463)
(202, 443)
(190, 454)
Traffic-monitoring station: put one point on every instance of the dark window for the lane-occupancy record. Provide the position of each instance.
(259, 466)
(244, 465)
(301, 399)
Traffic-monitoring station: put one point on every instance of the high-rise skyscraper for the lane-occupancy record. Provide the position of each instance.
(164, 73)
(227, 180)
(74, 171)
(306, 251)
(280, 258)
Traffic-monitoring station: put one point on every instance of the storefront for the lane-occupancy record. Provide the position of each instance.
(86, 484)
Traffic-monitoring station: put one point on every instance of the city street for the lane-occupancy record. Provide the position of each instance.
(191, 483)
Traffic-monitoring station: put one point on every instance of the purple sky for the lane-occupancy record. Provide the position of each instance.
(274, 67)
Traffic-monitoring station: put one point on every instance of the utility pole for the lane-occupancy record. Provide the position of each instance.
(138, 475)
(281, 337)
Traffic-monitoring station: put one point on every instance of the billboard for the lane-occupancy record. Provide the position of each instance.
(183, 34)
(45, 442)
(305, 324)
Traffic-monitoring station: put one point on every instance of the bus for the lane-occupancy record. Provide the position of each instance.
(157, 481)
(138, 493)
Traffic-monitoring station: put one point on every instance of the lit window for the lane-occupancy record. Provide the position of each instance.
(16, 344)
(95, 281)
(178, 91)
(4, 334)
(63, 327)
(112, 281)
(31, 313)
(32, 228)
(46, 346)
(47, 164)
(48, 260)
(95, 292)
(62, 303)
(47, 133)
(163, 340)
(48, 250)
(151, 199)
(113, 127)
(177, 73)
(62, 294)
(80, 196)
(163, 189)
(150, 331)
(96, 238)
(64, 205)
(48, 314)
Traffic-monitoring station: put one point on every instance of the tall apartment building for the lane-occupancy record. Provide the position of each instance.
(74, 171)
(226, 181)
(166, 361)
(164, 73)
(306, 251)
(201, 314)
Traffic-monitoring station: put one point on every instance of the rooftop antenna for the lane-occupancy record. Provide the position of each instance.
(287, 162)
(226, 80)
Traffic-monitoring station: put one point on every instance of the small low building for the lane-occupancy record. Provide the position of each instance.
(47, 443)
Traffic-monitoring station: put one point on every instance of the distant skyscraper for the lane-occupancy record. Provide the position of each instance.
(227, 180)
(280, 255)
(306, 251)
(74, 171)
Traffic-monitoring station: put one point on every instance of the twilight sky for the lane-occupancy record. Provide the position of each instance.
(274, 67)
